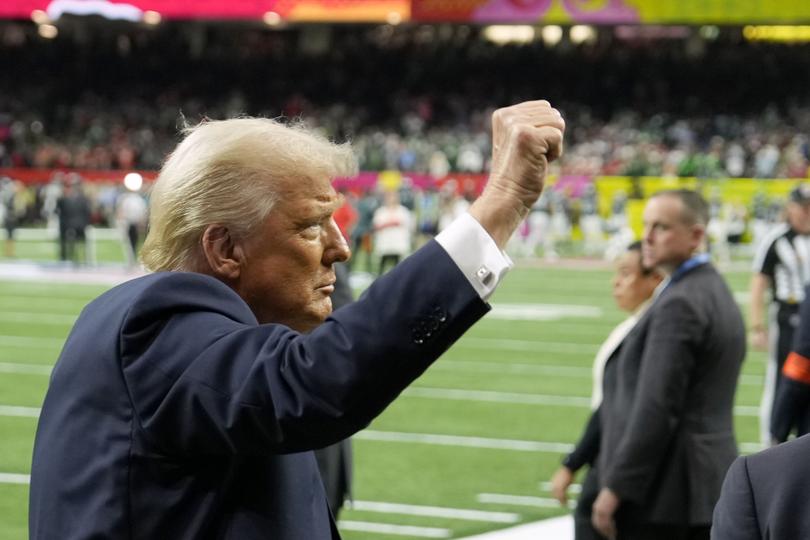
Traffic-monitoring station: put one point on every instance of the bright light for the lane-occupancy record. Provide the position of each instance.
(394, 18)
(503, 34)
(271, 18)
(581, 33)
(709, 32)
(151, 17)
(48, 31)
(777, 33)
(552, 34)
(40, 17)
(133, 181)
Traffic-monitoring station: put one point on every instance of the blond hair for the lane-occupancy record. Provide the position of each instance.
(227, 172)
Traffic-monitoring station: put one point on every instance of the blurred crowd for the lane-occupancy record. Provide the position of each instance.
(409, 98)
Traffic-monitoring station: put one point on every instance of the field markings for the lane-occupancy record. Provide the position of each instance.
(25, 369)
(435, 511)
(496, 397)
(521, 500)
(561, 527)
(523, 398)
(527, 345)
(542, 312)
(575, 372)
(14, 410)
(14, 478)
(399, 530)
(37, 318)
(33, 342)
(463, 441)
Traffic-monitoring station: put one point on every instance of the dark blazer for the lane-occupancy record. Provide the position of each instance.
(765, 495)
(172, 414)
(667, 413)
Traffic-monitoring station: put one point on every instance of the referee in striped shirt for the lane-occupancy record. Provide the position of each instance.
(781, 263)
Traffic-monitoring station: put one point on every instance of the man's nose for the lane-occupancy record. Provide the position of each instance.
(337, 249)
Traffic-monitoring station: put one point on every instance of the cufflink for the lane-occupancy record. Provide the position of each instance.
(484, 275)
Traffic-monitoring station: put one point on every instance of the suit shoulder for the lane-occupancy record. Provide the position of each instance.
(162, 293)
(780, 459)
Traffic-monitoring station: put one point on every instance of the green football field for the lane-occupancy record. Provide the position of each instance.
(466, 449)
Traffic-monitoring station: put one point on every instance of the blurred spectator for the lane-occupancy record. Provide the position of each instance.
(131, 217)
(393, 225)
(73, 208)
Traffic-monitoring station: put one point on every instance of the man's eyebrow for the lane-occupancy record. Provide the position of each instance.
(331, 203)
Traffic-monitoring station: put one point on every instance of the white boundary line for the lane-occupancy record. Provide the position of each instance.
(558, 528)
(528, 345)
(523, 398)
(521, 500)
(25, 369)
(37, 318)
(14, 478)
(13, 410)
(400, 530)
(33, 342)
(496, 397)
(435, 511)
(464, 441)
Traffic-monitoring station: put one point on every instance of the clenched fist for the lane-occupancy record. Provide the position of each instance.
(525, 138)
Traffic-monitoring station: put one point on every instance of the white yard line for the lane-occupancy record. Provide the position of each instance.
(558, 528)
(521, 500)
(574, 372)
(14, 478)
(435, 511)
(464, 441)
(25, 369)
(399, 530)
(528, 345)
(37, 318)
(33, 342)
(523, 398)
(496, 397)
(14, 410)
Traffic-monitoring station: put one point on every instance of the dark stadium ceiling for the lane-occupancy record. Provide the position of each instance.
(564, 12)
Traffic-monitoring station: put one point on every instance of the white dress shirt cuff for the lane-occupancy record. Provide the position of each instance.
(476, 254)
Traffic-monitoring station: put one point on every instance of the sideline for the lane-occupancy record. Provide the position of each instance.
(558, 528)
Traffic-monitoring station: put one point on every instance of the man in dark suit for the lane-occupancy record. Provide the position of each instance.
(667, 412)
(186, 403)
(765, 495)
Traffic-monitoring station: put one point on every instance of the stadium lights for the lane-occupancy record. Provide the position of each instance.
(133, 181)
(152, 18)
(551, 35)
(271, 18)
(394, 18)
(47, 31)
(40, 17)
(503, 34)
(788, 34)
(582, 33)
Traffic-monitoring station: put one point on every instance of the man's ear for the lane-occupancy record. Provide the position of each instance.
(222, 252)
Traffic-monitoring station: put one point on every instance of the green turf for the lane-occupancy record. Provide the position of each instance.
(502, 359)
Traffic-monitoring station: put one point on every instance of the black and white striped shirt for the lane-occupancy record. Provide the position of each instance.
(784, 256)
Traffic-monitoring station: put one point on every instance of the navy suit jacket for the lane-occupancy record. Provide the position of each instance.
(172, 414)
(765, 495)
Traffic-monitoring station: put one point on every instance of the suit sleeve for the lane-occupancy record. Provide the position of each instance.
(587, 448)
(666, 367)
(202, 380)
(735, 515)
